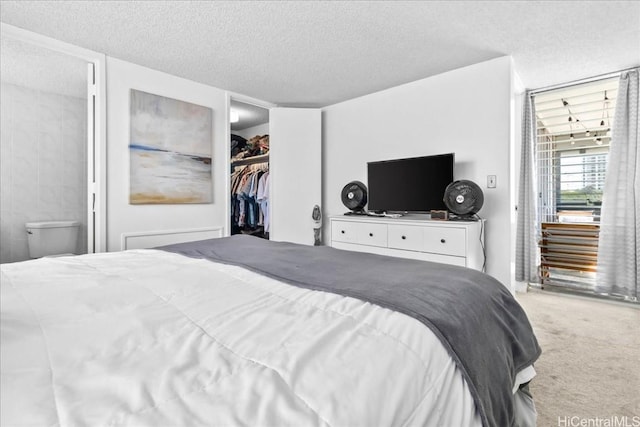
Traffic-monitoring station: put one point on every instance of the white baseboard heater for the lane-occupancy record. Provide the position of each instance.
(151, 239)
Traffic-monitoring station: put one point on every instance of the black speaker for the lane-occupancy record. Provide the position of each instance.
(354, 197)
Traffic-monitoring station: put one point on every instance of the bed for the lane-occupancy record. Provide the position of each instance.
(244, 331)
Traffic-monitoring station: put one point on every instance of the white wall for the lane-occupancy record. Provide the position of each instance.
(467, 111)
(43, 164)
(125, 218)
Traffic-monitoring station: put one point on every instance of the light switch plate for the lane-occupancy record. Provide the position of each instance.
(491, 181)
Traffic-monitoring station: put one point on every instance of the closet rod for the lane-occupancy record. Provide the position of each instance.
(261, 158)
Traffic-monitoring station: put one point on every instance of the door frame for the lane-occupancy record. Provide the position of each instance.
(96, 136)
(232, 96)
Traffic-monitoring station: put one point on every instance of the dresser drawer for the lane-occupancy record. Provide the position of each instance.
(344, 231)
(445, 241)
(372, 234)
(406, 237)
(456, 243)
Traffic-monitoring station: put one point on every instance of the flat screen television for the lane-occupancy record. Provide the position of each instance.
(409, 185)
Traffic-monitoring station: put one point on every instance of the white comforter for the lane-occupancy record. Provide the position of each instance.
(149, 338)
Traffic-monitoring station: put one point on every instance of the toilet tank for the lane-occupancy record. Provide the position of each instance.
(52, 238)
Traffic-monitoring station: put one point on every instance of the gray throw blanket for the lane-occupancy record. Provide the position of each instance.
(475, 317)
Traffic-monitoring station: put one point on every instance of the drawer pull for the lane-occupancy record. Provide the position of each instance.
(442, 241)
(404, 237)
(342, 231)
(370, 234)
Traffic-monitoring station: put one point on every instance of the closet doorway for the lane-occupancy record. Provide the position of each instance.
(249, 157)
(290, 159)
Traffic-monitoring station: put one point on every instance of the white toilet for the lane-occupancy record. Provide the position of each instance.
(51, 238)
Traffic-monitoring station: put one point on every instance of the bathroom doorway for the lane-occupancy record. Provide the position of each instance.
(51, 119)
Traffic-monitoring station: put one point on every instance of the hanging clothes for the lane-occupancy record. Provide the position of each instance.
(263, 199)
(249, 209)
(247, 214)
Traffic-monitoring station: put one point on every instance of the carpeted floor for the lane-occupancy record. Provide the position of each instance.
(590, 362)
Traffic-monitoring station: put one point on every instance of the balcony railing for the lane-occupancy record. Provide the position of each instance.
(569, 251)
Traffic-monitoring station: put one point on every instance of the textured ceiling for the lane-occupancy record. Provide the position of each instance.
(310, 53)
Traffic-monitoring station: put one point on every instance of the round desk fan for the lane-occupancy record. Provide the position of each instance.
(464, 198)
(354, 197)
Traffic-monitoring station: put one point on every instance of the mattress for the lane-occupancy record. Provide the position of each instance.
(151, 338)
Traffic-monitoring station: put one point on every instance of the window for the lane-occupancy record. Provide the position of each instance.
(573, 126)
(574, 133)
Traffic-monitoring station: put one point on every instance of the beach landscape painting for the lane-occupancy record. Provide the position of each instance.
(169, 150)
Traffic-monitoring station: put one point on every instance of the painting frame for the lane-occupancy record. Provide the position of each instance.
(170, 151)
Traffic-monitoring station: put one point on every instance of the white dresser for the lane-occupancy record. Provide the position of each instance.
(450, 242)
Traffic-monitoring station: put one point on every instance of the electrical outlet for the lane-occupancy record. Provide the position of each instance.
(491, 181)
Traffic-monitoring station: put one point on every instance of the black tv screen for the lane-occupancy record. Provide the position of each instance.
(409, 185)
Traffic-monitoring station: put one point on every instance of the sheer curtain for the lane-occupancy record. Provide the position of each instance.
(527, 234)
(619, 246)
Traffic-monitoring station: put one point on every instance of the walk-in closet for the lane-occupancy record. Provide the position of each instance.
(249, 154)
